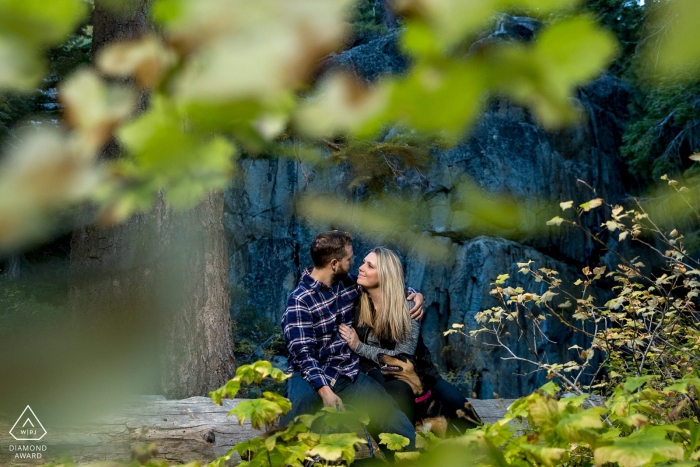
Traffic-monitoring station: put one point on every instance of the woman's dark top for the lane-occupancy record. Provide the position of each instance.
(370, 347)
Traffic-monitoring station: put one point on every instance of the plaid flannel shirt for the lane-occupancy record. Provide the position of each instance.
(311, 325)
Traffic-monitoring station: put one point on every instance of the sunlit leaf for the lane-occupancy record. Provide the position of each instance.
(640, 448)
(284, 403)
(258, 411)
(592, 204)
(336, 446)
(556, 220)
(571, 426)
(393, 441)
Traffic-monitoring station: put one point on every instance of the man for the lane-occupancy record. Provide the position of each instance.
(326, 372)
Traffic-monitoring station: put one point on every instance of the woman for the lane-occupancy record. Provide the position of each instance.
(384, 326)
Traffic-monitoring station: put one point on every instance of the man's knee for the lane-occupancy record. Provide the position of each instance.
(304, 398)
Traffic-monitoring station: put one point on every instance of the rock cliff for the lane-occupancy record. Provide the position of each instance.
(507, 155)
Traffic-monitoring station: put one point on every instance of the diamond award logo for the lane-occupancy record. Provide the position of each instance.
(28, 427)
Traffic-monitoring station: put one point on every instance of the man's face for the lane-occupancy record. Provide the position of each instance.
(342, 266)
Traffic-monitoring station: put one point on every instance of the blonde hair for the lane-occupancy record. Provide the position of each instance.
(393, 321)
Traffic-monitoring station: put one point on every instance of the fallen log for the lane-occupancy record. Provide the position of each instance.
(183, 430)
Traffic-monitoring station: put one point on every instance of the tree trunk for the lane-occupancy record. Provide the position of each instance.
(161, 276)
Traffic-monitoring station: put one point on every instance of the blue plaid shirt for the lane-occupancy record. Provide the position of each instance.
(311, 324)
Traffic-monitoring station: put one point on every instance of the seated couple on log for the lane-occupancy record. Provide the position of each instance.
(335, 365)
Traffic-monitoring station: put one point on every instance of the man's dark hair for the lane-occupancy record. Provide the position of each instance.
(329, 245)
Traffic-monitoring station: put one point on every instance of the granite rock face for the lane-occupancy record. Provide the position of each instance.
(507, 156)
(457, 290)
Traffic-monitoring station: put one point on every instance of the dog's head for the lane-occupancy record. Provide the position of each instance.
(403, 368)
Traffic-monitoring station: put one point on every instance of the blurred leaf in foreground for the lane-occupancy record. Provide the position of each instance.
(419, 224)
(342, 104)
(27, 28)
(545, 76)
(452, 20)
(187, 164)
(47, 171)
(673, 44)
(249, 49)
(93, 108)
(386, 218)
(145, 59)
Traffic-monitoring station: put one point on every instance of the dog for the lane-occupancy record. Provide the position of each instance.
(429, 410)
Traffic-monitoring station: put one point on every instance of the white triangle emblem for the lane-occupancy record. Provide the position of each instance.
(28, 427)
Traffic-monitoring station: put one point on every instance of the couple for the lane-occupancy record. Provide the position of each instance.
(334, 366)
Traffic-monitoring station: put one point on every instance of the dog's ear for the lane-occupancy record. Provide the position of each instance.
(404, 357)
(407, 358)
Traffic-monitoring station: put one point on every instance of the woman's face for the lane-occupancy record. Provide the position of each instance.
(367, 276)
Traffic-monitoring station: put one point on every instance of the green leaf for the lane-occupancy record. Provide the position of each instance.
(348, 419)
(442, 99)
(573, 427)
(259, 411)
(308, 419)
(632, 384)
(21, 66)
(248, 375)
(284, 403)
(546, 455)
(294, 454)
(40, 22)
(408, 456)
(579, 49)
(543, 409)
(336, 446)
(426, 439)
(640, 448)
(186, 164)
(393, 441)
(678, 52)
(545, 75)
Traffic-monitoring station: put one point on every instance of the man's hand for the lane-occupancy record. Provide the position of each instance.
(349, 335)
(330, 399)
(417, 310)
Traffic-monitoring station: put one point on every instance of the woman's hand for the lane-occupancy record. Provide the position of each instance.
(417, 310)
(349, 335)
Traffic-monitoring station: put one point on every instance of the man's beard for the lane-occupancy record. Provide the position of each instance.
(339, 276)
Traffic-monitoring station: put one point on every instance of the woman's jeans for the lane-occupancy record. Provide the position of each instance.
(449, 396)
